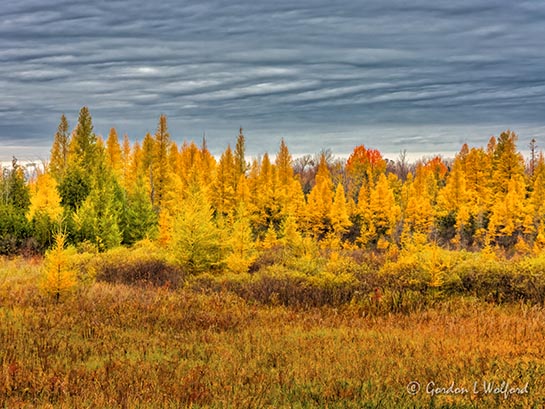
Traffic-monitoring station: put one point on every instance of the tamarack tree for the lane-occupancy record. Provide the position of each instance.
(58, 278)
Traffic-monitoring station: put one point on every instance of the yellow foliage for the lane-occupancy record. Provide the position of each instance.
(382, 243)
(419, 213)
(238, 264)
(320, 201)
(241, 243)
(339, 212)
(291, 237)
(165, 228)
(511, 212)
(58, 279)
(45, 199)
(271, 239)
(384, 211)
(522, 248)
(114, 155)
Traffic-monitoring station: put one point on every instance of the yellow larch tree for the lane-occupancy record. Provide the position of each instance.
(190, 161)
(174, 159)
(507, 162)
(339, 213)
(45, 199)
(478, 179)
(319, 202)
(195, 236)
(239, 157)
(289, 193)
(148, 153)
(224, 185)
(113, 153)
(241, 242)
(453, 200)
(270, 239)
(510, 210)
(243, 193)
(291, 237)
(207, 164)
(45, 211)
(296, 204)
(283, 163)
(144, 162)
(384, 213)
(58, 278)
(537, 199)
(419, 215)
(136, 168)
(511, 215)
(263, 190)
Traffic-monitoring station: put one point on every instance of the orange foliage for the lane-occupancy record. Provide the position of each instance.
(437, 167)
(362, 159)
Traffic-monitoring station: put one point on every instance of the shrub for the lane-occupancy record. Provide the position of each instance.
(279, 285)
(143, 265)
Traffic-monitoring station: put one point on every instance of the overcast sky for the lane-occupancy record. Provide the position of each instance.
(425, 76)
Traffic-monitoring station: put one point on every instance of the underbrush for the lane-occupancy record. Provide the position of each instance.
(145, 264)
(410, 281)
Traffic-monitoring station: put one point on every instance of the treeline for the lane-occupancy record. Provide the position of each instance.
(225, 213)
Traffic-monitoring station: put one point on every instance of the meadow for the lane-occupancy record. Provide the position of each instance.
(197, 344)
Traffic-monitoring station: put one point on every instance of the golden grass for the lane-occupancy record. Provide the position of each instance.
(120, 346)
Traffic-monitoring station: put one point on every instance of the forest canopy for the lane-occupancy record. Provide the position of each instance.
(223, 212)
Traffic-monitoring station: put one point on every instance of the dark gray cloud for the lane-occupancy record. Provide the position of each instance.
(422, 75)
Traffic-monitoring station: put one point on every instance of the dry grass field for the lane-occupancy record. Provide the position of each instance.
(113, 346)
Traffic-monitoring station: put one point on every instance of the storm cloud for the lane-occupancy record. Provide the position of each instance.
(425, 76)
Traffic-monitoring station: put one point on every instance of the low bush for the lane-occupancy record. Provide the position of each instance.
(143, 265)
(412, 279)
(281, 286)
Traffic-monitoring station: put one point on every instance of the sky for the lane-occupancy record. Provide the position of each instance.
(421, 76)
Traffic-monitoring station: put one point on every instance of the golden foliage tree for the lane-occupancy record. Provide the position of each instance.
(507, 162)
(240, 164)
(113, 153)
(45, 199)
(58, 278)
(385, 212)
(224, 184)
(319, 202)
(195, 237)
(511, 215)
(418, 214)
(339, 213)
(241, 243)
